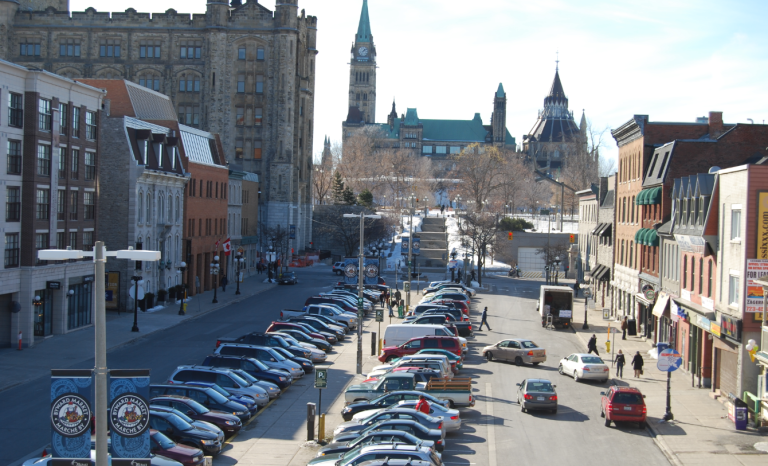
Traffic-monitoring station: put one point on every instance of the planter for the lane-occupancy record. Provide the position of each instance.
(149, 301)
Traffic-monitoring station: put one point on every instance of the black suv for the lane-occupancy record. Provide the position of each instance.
(180, 431)
(252, 366)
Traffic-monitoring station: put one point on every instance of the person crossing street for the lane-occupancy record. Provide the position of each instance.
(620, 361)
(592, 345)
(484, 319)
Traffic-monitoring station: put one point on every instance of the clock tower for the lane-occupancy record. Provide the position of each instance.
(362, 74)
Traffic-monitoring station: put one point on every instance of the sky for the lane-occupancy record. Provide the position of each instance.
(673, 60)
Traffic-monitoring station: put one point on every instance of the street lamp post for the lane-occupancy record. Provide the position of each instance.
(99, 254)
(238, 263)
(426, 206)
(215, 273)
(182, 267)
(360, 271)
(557, 270)
(412, 198)
(136, 279)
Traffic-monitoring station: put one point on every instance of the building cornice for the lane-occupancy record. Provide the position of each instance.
(630, 131)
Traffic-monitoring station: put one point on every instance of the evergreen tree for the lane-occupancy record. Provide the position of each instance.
(337, 189)
(348, 197)
(365, 198)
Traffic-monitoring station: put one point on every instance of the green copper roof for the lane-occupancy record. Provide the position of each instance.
(500, 92)
(364, 29)
(436, 131)
(411, 117)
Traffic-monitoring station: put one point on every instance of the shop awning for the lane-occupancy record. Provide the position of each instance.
(647, 237)
(649, 196)
(596, 229)
(661, 308)
(599, 228)
(593, 273)
(605, 231)
(643, 300)
(640, 199)
(638, 234)
(603, 274)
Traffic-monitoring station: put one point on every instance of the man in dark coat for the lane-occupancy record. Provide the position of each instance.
(484, 319)
(637, 364)
(592, 345)
(224, 282)
(620, 361)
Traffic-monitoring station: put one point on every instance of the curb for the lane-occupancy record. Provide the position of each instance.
(662, 444)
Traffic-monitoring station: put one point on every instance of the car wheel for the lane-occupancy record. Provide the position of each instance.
(575, 376)
(518, 361)
(489, 356)
(607, 422)
(560, 369)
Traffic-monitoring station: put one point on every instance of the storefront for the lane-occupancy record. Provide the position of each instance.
(695, 336)
(663, 319)
(645, 303)
(43, 305)
(80, 304)
(726, 357)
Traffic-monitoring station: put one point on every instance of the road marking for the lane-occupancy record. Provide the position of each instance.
(489, 424)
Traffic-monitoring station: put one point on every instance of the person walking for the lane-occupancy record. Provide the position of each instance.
(382, 298)
(592, 345)
(224, 282)
(576, 289)
(484, 319)
(391, 310)
(637, 364)
(422, 405)
(624, 325)
(620, 361)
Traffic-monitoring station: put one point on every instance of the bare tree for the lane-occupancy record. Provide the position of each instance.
(607, 166)
(359, 163)
(322, 181)
(514, 170)
(480, 170)
(405, 174)
(480, 231)
(345, 232)
(582, 167)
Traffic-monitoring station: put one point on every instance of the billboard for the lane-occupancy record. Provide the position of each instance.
(756, 268)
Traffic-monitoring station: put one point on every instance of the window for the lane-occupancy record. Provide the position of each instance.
(685, 271)
(42, 210)
(72, 239)
(441, 150)
(73, 205)
(693, 266)
(44, 113)
(241, 83)
(257, 116)
(140, 207)
(259, 84)
(90, 126)
(15, 110)
(90, 166)
(87, 241)
(149, 49)
(61, 240)
(150, 81)
(709, 279)
(43, 160)
(63, 117)
(239, 149)
(75, 165)
(29, 48)
(257, 150)
(76, 122)
(735, 224)
(12, 204)
(191, 49)
(109, 48)
(260, 54)
(89, 204)
(149, 208)
(11, 250)
(241, 53)
(701, 276)
(239, 116)
(41, 242)
(189, 115)
(733, 290)
(14, 157)
(61, 205)
(189, 83)
(178, 209)
(69, 48)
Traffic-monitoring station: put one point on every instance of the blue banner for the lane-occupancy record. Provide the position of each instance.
(416, 246)
(71, 413)
(129, 414)
(406, 244)
(350, 270)
(371, 269)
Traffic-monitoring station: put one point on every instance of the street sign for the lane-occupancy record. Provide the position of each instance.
(321, 378)
(379, 315)
(359, 301)
(406, 286)
(669, 360)
(131, 292)
(606, 314)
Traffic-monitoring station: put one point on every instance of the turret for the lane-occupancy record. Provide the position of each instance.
(286, 13)
(217, 12)
(499, 117)
(7, 13)
(392, 116)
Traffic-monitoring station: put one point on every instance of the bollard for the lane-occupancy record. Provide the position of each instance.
(373, 343)
(321, 429)
(310, 422)
(19, 340)
(379, 346)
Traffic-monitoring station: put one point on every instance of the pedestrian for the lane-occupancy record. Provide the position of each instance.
(224, 282)
(382, 298)
(397, 296)
(620, 361)
(422, 405)
(624, 325)
(637, 364)
(592, 345)
(484, 319)
(576, 287)
(391, 310)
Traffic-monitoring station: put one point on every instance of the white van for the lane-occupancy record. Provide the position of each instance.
(397, 334)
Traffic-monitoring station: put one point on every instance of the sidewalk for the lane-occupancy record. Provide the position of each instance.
(701, 431)
(62, 351)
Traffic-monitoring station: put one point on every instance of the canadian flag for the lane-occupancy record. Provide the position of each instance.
(227, 247)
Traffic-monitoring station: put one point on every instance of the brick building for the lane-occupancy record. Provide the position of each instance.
(250, 238)
(50, 153)
(246, 73)
(603, 234)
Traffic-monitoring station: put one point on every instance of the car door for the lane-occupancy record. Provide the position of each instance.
(500, 352)
(513, 350)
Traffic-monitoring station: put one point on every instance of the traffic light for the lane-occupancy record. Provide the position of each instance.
(509, 237)
(572, 238)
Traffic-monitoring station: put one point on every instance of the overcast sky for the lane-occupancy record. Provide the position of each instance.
(673, 60)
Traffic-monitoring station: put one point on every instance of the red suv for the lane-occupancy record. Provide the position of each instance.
(414, 345)
(458, 304)
(623, 404)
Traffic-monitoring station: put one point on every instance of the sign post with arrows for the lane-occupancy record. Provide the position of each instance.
(669, 361)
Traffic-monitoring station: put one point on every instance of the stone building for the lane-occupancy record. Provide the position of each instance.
(604, 233)
(50, 151)
(588, 212)
(246, 73)
(234, 220)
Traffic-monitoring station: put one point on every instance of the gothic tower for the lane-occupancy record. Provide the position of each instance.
(499, 118)
(362, 75)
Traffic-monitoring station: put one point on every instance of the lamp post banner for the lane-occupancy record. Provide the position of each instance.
(371, 276)
(71, 412)
(350, 271)
(128, 414)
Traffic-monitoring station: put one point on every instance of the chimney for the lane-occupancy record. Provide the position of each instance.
(715, 124)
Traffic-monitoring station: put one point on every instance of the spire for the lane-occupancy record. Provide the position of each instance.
(583, 123)
(500, 92)
(364, 29)
(557, 87)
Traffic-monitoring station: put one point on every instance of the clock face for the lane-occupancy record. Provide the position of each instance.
(363, 51)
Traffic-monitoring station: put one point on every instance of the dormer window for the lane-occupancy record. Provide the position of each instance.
(160, 151)
(145, 152)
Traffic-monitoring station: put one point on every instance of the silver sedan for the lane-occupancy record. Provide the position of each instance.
(584, 366)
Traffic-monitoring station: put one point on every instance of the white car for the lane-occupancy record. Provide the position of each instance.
(451, 417)
(315, 354)
(584, 366)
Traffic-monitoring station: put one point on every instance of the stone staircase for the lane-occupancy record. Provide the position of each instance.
(434, 246)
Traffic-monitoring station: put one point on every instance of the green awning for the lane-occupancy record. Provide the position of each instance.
(640, 199)
(651, 237)
(654, 196)
(639, 235)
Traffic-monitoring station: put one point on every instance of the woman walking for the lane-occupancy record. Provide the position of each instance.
(637, 364)
(620, 361)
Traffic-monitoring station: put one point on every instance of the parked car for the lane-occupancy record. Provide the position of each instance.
(375, 437)
(396, 462)
(325, 336)
(451, 356)
(458, 392)
(338, 268)
(463, 329)
(183, 432)
(335, 325)
(414, 345)
(306, 364)
(263, 339)
(222, 377)
(273, 391)
(228, 423)
(315, 355)
(304, 337)
(288, 278)
(451, 417)
(517, 350)
(245, 400)
(623, 404)
(331, 311)
(160, 444)
(253, 366)
(443, 368)
(403, 425)
(204, 425)
(321, 326)
(363, 453)
(330, 300)
(206, 396)
(385, 401)
(584, 366)
(537, 394)
(422, 374)
(268, 356)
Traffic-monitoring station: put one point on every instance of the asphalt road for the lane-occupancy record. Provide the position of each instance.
(24, 424)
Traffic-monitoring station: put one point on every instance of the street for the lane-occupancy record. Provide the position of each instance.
(493, 430)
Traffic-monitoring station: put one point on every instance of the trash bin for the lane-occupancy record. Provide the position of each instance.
(632, 327)
(740, 412)
(661, 346)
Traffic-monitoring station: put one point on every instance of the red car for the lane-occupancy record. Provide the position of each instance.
(162, 445)
(623, 404)
(414, 345)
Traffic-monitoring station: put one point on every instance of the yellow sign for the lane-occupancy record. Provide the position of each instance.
(762, 225)
(714, 329)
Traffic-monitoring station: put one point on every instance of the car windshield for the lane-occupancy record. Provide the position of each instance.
(216, 395)
(248, 377)
(183, 416)
(529, 344)
(164, 442)
(221, 390)
(540, 387)
(276, 355)
(239, 380)
(179, 423)
(197, 407)
(591, 360)
(283, 352)
(259, 365)
(351, 453)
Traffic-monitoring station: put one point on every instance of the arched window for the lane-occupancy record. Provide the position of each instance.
(709, 281)
(701, 276)
(150, 80)
(189, 82)
(685, 272)
(160, 207)
(631, 252)
(140, 207)
(177, 251)
(149, 208)
(693, 265)
(622, 253)
(178, 209)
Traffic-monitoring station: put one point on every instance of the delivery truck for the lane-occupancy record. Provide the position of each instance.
(556, 306)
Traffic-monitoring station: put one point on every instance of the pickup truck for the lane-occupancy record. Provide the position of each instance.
(556, 302)
(458, 392)
(343, 318)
